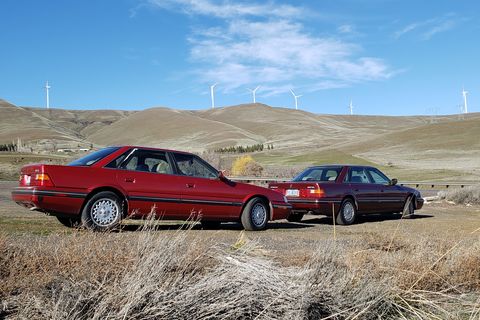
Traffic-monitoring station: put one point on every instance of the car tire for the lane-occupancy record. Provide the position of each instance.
(295, 217)
(408, 208)
(255, 215)
(210, 225)
(102, 212)
(70, 222)
(347, 213)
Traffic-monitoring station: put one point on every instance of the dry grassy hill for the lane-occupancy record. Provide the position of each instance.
(163, 127)
(447, 145)
(17, 122)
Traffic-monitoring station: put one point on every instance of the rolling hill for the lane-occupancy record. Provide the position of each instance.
(444, 143)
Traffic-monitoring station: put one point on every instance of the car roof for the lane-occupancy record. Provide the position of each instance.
(340, 165)
(153, 148)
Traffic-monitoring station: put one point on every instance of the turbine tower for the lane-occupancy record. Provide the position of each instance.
(351, 107)
(465, 107)
(253, 91)
(296, 98)
(212, 87)
(47, 88)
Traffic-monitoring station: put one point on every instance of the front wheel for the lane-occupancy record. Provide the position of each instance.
(102, 212)
(255, 215)
(347, 213)
(408, 207)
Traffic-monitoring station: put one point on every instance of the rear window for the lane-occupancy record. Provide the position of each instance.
(323, 174)
(94, 157)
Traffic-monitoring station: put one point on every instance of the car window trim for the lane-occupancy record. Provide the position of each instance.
(377, 171)
(198, 158)
(349, 175)
(132, 151)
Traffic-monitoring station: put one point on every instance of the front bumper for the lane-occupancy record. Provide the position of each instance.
(419, 203)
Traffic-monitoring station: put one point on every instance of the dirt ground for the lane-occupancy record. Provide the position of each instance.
(281, 239)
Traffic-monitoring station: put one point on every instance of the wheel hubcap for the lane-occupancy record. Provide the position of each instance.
(348, 211)
(259, 214)
(104, 212)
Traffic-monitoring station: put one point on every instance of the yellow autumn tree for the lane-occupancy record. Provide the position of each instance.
(246, 166)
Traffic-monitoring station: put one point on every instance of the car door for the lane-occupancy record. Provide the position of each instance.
(147, 176)
(363, 189)
(204, 194)
(391, 196)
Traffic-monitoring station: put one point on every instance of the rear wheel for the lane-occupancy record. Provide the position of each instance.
(347, 213)
(70, 222)
(255, 215)
(102, 212)
(295, 217)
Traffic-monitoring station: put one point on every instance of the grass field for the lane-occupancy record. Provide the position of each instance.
(384, 266)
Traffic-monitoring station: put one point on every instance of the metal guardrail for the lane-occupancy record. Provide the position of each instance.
(417, 184)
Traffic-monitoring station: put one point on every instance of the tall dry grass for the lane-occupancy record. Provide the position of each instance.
(182, 274)
(467, 195)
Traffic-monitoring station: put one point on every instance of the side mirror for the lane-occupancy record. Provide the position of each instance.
(393, 182)
(221, 176)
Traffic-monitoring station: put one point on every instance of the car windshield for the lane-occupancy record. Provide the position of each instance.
(94, 157)
(323, 174)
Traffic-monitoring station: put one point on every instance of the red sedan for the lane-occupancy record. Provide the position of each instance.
(347, 191)
(100, 189)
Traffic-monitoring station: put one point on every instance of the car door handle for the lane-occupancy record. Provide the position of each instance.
(132, 180)
(190, 185)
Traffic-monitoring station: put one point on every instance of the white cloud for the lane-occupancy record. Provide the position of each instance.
(346, 28)
(228, 9)
(430, 27)
(266, 44)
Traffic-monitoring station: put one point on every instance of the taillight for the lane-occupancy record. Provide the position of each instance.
(41, 179)
(318, 192)
(315, 192)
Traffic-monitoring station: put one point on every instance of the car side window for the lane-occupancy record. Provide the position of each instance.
(357, 175)
(118, 161)
(190, 165)
(378, 177)
(148, 161)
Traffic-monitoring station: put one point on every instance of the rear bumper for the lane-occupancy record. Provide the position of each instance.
(51, 201)
(317, 206)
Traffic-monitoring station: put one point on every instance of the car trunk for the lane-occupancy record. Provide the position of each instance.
(295, 190)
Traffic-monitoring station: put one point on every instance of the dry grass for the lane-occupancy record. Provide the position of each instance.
(468, 195)
(150, 274)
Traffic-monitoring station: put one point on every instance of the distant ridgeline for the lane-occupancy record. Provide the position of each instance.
(242, 149)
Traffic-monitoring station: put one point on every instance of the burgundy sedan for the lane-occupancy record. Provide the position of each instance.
(347, 190)
(100, 189)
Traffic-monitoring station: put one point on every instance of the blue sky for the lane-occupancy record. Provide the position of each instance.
(390, 57)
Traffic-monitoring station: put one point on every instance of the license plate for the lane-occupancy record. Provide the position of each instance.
(292, 193)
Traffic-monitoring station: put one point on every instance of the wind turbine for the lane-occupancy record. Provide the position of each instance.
(253, 91)
(351, 107)
(465, 108)
(296, 98)
(47, 88)
(212, 87)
